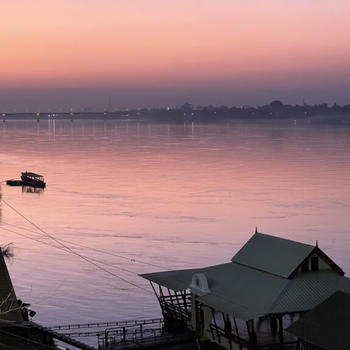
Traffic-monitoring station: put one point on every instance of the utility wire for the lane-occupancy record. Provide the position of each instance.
(63, 249)
(40, 299)
(28, 340)
(72, 251)
(60, 248)
(5, 346)
(173, 277)
(93, 263)
(95, 249)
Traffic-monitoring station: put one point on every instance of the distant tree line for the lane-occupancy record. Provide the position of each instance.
(276, 110)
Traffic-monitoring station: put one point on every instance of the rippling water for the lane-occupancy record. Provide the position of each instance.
(175, 196)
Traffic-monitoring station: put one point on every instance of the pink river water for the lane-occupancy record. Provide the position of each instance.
(175, 196)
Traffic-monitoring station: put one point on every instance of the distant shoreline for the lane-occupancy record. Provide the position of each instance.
(276, 110)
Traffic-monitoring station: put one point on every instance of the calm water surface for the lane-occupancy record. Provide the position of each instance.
(176, 196)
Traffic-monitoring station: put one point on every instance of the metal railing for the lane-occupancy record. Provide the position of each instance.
(176, 307)
(105, 324)
(218, 332)
(120, 336)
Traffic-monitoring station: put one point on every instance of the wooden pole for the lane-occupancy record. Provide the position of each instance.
(216, 326)
(280, 328)
(172, 304)
(236, 327)
(154, 290)
(228, 329)
(273, 325)
(183, 294)
(251, 332)
(255, 339)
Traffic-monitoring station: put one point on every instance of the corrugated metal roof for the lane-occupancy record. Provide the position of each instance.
(237, 289)
(248, 293)
(309, 289)
(256, 282)
(242, 291)
(272, 254)
(175, 280)
(327, 325)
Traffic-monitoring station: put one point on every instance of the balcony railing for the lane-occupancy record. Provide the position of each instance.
(219, 333)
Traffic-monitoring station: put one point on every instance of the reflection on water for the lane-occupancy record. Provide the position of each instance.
(30, 189)
(140, 197)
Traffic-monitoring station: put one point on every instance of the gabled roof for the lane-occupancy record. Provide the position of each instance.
(327, 325)
(257, 282)
(236, 289)
(175, 280)
(249, 293)
(272, 254)
(9, 310)
(307, 290)
(241, 291)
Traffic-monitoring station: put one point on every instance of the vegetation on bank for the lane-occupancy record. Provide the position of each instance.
(276, 110)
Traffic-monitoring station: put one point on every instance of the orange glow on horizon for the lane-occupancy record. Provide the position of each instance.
(155, 42)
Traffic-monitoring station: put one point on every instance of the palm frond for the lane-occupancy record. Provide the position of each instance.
(8, 251)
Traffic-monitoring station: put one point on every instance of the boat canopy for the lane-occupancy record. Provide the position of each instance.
(30, 174)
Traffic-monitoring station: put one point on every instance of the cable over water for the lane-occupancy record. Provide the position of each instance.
(70, 250)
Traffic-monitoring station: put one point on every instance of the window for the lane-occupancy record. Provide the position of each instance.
(314, 263)
(305, 266)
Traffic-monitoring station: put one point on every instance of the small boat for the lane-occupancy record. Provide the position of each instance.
(32, 179)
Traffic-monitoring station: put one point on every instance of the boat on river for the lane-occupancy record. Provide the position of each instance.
(33, 179)
(28, 179)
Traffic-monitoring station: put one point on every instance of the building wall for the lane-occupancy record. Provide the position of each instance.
(322, 265)
(207, 319)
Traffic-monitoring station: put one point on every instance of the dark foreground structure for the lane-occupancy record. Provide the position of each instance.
(273, 294)
(326, 326)
(17, 331)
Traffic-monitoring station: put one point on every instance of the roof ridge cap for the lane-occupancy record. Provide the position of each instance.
(260, 270)
(281, 238)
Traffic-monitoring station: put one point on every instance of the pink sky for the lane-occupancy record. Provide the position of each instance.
(159, 45)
